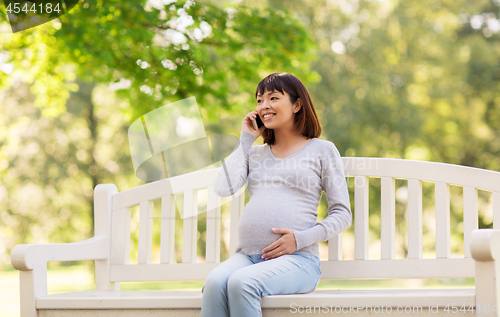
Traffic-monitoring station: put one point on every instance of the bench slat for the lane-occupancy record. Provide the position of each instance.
(145, 232)
(345, 269)
(470, 216)
(442, 204)
(414, 219)
(426, 171)
(361, 203)
(167, 242)
(213, 226)
(335, 248)
(398, 268)
(190, 226)
(496, 210)
(388, 218)
(173, 185)
(120, 236)
(237, 205)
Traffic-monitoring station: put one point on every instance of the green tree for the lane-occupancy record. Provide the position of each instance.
(86, 76)
(166, 52)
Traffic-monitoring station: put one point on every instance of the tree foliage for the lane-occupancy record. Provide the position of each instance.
(401, 79)
(79, 81)
(159, 53)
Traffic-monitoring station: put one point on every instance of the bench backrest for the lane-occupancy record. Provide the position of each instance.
(360, 169)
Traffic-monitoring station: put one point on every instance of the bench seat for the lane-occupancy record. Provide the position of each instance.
(115, 300)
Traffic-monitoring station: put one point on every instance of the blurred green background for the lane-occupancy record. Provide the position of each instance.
(399, 79)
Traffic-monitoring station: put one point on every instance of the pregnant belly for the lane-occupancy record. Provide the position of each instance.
(255, 228)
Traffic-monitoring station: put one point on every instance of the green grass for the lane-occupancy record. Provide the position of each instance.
(77, 278)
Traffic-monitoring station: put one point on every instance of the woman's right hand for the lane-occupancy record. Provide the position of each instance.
(247, 124)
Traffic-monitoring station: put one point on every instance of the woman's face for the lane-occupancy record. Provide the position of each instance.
(279, 106)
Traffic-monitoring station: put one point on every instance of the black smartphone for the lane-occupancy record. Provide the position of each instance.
(257, 123)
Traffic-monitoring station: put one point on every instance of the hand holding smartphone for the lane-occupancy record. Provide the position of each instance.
(253, 124)
(257, 123)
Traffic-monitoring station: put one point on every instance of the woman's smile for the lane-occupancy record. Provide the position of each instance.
(267, 117)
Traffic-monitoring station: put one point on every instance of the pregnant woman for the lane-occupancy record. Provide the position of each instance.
(278, 252)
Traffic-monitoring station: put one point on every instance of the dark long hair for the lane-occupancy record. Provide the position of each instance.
(306, 120)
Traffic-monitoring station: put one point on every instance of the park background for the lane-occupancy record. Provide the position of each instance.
(398, 79)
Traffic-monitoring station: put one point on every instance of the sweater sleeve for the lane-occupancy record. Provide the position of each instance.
(339, 207)
(233, 173)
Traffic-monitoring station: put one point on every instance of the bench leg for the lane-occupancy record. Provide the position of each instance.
(487, 286)
(485, 249)
(33, 284)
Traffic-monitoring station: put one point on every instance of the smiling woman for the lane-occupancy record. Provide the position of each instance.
(287, 97)
(278, 251)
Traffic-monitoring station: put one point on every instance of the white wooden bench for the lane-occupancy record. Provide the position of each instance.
(110, 250)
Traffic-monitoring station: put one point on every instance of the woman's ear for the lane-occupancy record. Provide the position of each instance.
(297, 106)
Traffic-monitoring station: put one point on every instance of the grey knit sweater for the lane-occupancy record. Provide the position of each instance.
(285, 193)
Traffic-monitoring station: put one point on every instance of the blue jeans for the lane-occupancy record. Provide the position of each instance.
(235, 287)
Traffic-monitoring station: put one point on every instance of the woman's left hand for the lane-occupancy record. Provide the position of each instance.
(284, 245)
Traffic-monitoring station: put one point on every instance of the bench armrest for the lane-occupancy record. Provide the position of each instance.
(24, 256)
(485, 249)
(485, 244)
(31, 260)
